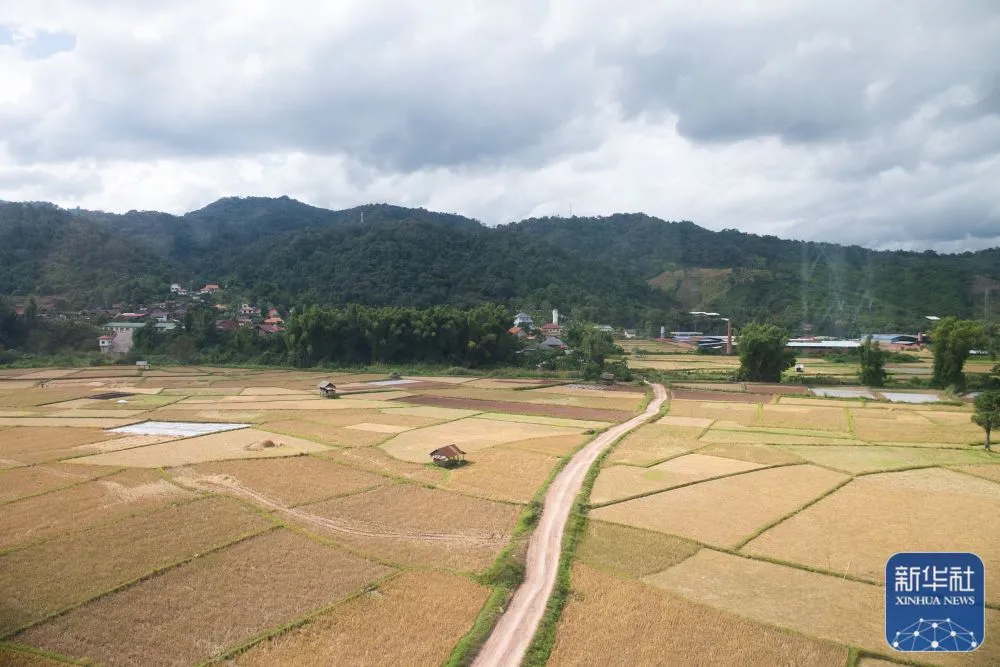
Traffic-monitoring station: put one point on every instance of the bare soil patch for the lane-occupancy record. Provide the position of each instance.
(857, 528)
(197, 611)
(569, 412)
(34, 480)
(389, 626)
(617, 482)
(613, 621)
(725, 511)
(291, 481)
(417, 526)
(471, 435)
(631, 551)
(51, 576)
(213, 447)
(500, 473)
(99, 501)
(654, 442)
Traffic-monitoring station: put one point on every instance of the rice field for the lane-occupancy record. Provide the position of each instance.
(798, 545)
(724, 512)
(615, 621)
(621, 481)
(389, 625)
(191, 613)
(301, 537)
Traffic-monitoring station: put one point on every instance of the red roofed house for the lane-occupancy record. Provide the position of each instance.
(517, 331)
(270, 328)
(552, 329)
(273, 312)
(210, 288)
(226, 325)
(274, 320)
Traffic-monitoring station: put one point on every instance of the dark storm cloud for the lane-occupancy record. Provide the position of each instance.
(852, 121)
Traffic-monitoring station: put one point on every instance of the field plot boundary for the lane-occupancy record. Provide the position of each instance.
(137, 580)
(691, 483)
(54, 489)
(235, 651)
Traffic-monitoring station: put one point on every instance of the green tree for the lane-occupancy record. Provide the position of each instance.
(987, 412)
(953, 339)
(872, 372)
(763, 355)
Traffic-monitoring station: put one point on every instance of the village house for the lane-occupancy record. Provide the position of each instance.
(210, 288)
(447, 455)
(270, 328)
(175, 288)
(523, 320)
(226, 325)
(552, 330)
(249, 311)
(274, 320)
(273, 312)
(517, 331)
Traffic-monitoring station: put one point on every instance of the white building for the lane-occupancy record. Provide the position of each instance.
(524, 320)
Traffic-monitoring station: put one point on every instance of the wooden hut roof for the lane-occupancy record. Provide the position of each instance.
(448, 451)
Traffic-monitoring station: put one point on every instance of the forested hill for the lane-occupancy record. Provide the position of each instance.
(627, 269)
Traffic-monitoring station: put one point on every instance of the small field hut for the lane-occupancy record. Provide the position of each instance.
(327, 389)
(447, 455)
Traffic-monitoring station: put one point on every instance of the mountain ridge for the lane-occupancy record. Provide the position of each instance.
(281, 250)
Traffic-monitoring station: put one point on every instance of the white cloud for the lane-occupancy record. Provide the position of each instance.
(833, 121)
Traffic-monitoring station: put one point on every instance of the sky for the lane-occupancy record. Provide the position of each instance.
(873, 123)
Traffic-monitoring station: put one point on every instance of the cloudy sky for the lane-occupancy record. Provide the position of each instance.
(855, 121)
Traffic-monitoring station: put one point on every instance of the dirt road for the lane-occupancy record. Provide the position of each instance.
(510, 639)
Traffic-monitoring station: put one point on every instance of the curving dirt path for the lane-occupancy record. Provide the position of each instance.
(512, 635)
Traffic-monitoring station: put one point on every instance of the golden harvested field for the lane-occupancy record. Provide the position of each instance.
(774, 437)
(556, 445)
(540, 419)
(241, 444)
(986, 471)
(439, 414)
(612, 621)
(654, 442)
(622, 481)
(387, 626)
(726, 511)
(156, 549)
(290, 481)
(695, 422)
(762, 454)
(335, 436)
(376, 460)
(870, 458)
(915, 428)
(29, 481)
(469, 434)
(631, 551)
(744, 413)
(415, 525)
(808, 417)
(39, 517)
(197, 611)
(68, 570)
(60, 422)
(25, 398)
(836, 609)
(857, 528)
(500, 473)
(34, 444)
